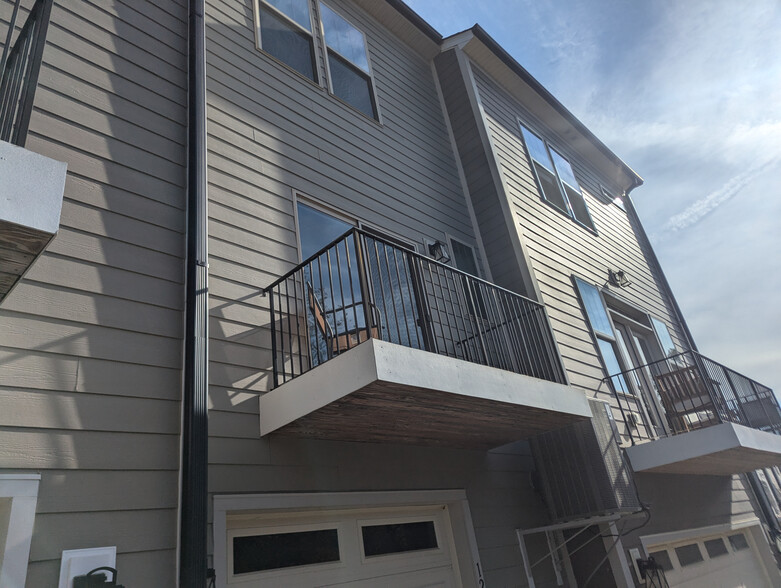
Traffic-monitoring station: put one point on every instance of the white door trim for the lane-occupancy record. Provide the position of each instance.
(16, 528)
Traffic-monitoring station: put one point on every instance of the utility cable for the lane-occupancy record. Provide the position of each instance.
(622, 533)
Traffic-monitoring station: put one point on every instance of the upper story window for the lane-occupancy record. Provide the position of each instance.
(556, 179)
(348, 62)
(285, 31)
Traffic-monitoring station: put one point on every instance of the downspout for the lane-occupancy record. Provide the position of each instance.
(195, 426)
(657, 266)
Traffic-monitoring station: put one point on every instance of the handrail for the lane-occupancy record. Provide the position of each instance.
(410, 252)
(695, 392)
(19, 71)
(369, 287)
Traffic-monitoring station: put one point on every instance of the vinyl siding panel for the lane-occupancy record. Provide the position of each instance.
(559, 248)
(270, 132)
(90, 341)
(472, 151)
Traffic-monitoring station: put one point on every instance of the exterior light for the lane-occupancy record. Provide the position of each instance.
(438, 250)
(618, 278)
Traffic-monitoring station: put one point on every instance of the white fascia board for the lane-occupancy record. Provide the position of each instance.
(376, 360)
(332, 380)
(32, 188)
(421, 369)
(699, 444)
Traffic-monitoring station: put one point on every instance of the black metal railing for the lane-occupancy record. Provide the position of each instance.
(361, 286)
(19, 68)
(689, 391)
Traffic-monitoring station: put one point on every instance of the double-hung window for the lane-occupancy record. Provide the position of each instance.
(556, 179)
(348, 62)
(285, 32)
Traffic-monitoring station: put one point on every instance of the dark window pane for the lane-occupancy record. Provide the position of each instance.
(715, 548)
(579, 208)
(464, 257)
(317, 229)
(662, 559)
(351, 86)
(688, 554)
(384, 539)
(738, 542)
(287, 44)
(550, 188)
(256, 553)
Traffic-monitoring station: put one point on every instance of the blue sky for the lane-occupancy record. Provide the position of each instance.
(688, 93)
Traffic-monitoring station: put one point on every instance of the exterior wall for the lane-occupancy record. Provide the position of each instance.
(272, 131)
(90, 339)
(559, 248)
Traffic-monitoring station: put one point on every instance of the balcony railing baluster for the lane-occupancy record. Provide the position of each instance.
(19, 68)
(695, 392)
(408, 299)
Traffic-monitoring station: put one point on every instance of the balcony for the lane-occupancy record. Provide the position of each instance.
(691, 415)
(32, 185)
(374, 342)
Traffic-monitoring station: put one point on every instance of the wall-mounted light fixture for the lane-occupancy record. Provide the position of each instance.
(438, 250)
(618, 278)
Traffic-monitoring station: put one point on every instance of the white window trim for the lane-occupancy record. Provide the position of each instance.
(370, 73)
(311, 32)
(467, 565)
(22, 489)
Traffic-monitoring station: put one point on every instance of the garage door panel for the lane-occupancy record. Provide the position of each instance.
(728, 560)
(397, 548)
(434, 578)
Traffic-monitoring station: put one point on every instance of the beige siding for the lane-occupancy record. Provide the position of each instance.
(270, 132)
(90, 341)
(559, 248)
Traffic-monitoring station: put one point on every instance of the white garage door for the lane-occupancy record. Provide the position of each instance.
(393, 548)
(717, 561)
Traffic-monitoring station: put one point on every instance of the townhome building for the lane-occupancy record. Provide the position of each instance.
(303, 293)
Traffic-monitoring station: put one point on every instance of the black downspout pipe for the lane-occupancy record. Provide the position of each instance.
(195, 426)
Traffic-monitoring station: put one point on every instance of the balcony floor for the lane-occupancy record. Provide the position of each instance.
(382, 392)
(719, 450)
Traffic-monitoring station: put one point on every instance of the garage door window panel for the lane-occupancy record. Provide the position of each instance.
(688, 554)
(398, 538)
(716, 548)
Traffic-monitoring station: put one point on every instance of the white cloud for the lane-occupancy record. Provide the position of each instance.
(701, 208)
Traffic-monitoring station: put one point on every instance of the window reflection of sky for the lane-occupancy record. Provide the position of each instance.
(297, 10)
(317, 229)
(344, 38)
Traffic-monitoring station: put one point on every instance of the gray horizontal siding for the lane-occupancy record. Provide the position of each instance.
(270, 132)
(558, 248)
(473, 152)
(90, 341)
